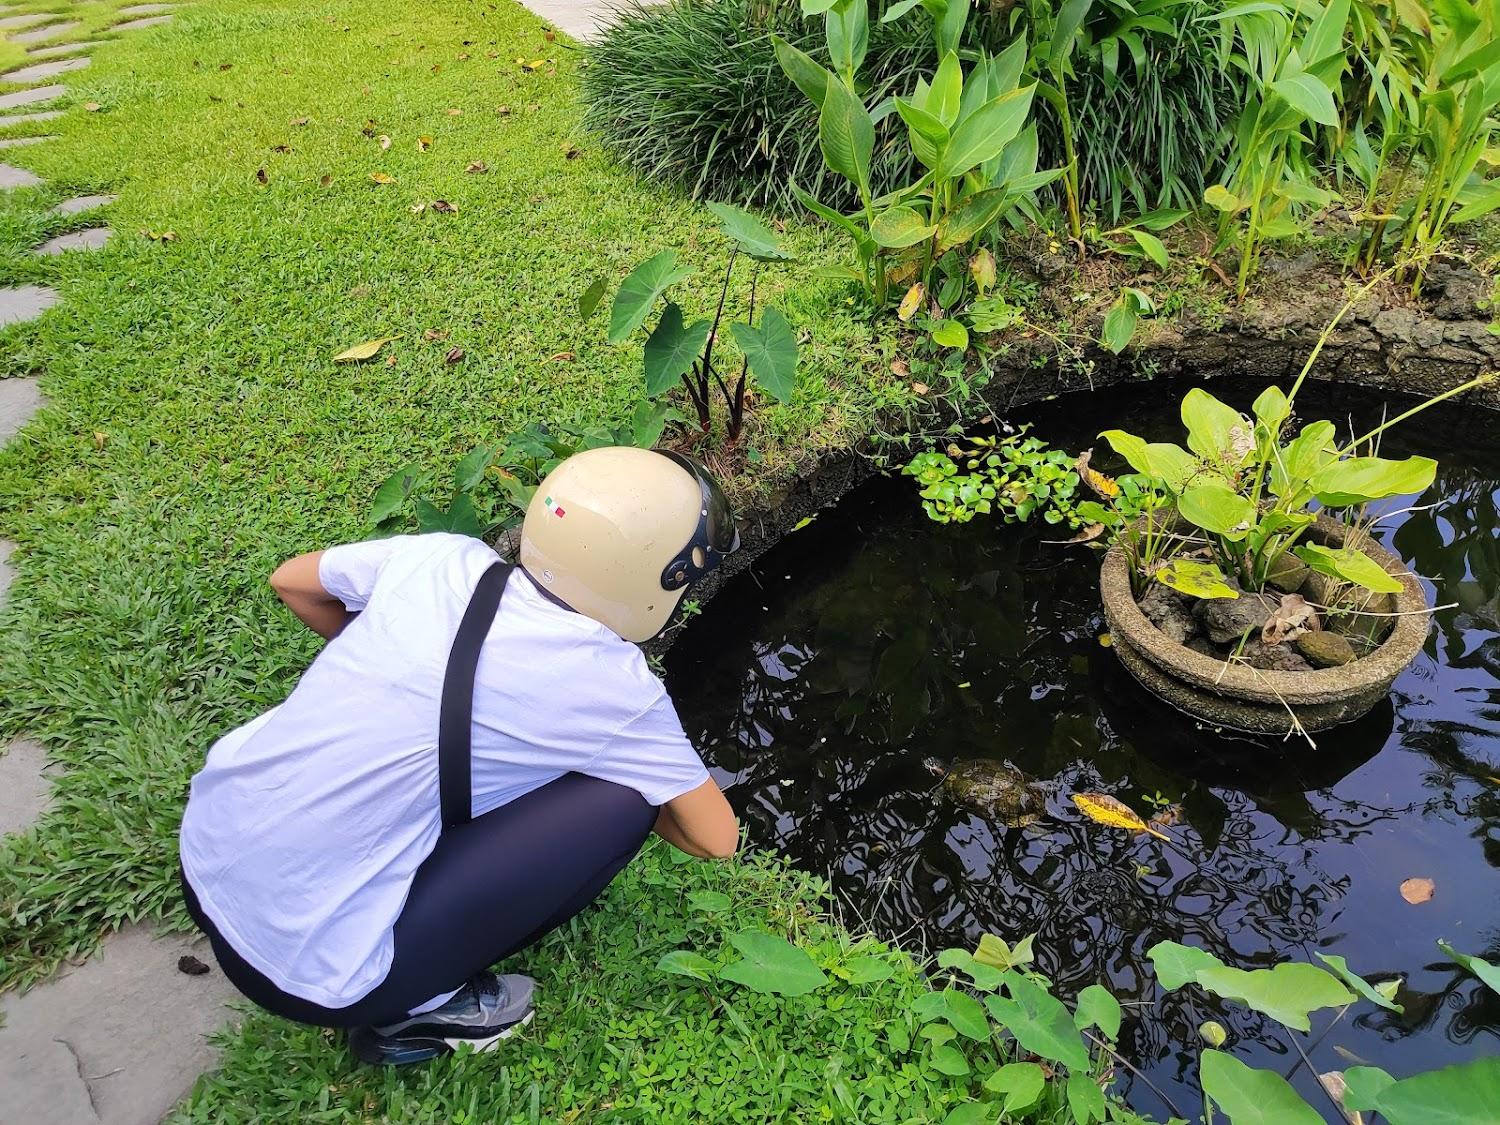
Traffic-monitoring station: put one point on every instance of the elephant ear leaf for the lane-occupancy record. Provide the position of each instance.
(771, 349)
(640, 290)
(1349, 565)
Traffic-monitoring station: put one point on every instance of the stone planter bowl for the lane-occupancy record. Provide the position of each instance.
(1249, 699)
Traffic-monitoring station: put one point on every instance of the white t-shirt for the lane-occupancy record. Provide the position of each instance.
(305, 827)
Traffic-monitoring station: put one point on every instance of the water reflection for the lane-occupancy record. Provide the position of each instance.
(873, 639)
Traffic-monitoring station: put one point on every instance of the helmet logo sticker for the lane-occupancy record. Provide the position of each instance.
(554, 507)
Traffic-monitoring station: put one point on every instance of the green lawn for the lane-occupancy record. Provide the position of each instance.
(198, 433)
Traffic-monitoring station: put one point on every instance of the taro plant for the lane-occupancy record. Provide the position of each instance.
(966, 126)
(677, 351)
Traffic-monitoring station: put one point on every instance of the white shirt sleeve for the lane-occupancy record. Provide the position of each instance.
(349, 572)
(651, 755)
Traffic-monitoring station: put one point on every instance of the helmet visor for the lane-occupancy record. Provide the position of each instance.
(715, 535)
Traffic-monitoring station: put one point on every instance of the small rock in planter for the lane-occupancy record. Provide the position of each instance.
(1226, 620)
(1325, 649)
(1273, 658)
(1370, 626)
(1170, 612)
(1288, 573)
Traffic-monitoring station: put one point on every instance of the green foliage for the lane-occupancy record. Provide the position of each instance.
(1253, 1097)
(1014, 477)
(1124, 315)
(677, 351)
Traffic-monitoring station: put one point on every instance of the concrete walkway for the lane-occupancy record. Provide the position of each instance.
(582, 19)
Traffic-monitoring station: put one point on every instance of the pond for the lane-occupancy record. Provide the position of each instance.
(820, 681)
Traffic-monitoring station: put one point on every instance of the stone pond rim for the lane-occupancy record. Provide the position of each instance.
(1255, 700)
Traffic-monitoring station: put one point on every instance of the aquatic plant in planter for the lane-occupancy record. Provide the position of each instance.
(1257, 598)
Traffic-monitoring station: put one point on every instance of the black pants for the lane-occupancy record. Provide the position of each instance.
(491, 887)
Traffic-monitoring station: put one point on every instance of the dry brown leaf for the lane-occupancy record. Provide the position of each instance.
(503, 111)
(1333, 1082)
(99, 440)
(1417, 890)
(385, 142)
(424, 143)
(382, 178)
(161, 236)
(325, 179)
(281, 148)
(366, 350)
(435, 334)
(900, 368)
(570, 151)
(455, 355)
(1100, 485)
(298, 122)
(226, 66)
(1292, 618)
(549, 35)
(462, 56)
(261, 177)
(477, 167)
(1087, 535)
(92, 107)
(455, 112)
(444, 206)
(533, 107)
(390, 361)
(920, 388)
(560, 357)
(368, 129)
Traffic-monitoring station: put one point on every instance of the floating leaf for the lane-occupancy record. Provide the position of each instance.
(382, 178)
(1286, 993)
(1358, 983)
(1177, 964)
(686, 963)
(1481, 968)
(1417, 890)
(772, 964)
(1212, 1032)
(366, 350)
(1087, 534)
(1114, 813)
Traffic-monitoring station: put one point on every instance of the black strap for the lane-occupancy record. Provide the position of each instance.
(456, 717)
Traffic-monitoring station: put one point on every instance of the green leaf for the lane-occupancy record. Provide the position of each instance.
(1220, 198)
(771, 349)
(1196, 579)
(1020, 1084)
(470, 471)
(1271, 408)
(1039, 1022)
(985, 132)
(958, 1008)
(1253, 1097)
(1466, 1094)
(1300, 458)
(898, 227)
(846, 29)
(945, 95)
(686, 963)
(1065, 32)
(1217, 509)
(772, 964)
(639, 291)
(1350, 565)
(1152, 247)
(1119, 324)
(986, 978)
(1355, 480)
(951, 333)
(899, 9)
(809, 77)
(1216, 431)
(1097, 1007)
(754, 237)
(829, 215)
(591, 297)
(867, 970)
(1357, 982)
(393, 492)
(973, 216)
(1085, 1099)
(672, 349)
(1309, 97)
(970, 1113)
(1177, 965)
(460, 518)
(898, 1037)
(1286, 993)
(1170, 463)
(847, 136)
(925, 125)
(1481, 968)
(710, 902)
(993, 950)
(1363, 1086)
(949, 1060)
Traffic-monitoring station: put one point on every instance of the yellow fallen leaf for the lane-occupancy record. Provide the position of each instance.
(1417, 891)
(911, 302)
(99, 440)
(382, 178)
(534, 64)
(1106, 640)
(92, 107)
(424, 143)
(367, 350)
(1102, 486)
(455, 112)
(1114, 813)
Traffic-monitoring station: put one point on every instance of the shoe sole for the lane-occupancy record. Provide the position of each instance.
(408, 1051)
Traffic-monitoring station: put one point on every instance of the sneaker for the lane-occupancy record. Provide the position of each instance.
(486, 1010)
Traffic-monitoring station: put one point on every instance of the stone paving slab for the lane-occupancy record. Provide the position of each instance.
(83, 203)
(63, 49)
(119, 1040)
(92, 239)
(24, 20)
(27, 118)
(31, 97)
(36, 35)
(25, 783)
(22, 142)
(19, 400)
(582, 19)
(13, 177)
(37, 71)
(136, 25)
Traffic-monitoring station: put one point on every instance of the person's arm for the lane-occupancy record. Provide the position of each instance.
(297, 584)
(700, 823)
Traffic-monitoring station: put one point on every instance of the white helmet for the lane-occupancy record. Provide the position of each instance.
(619, 534)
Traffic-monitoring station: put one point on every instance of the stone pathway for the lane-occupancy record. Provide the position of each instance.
(582, 19)
(120, 1039)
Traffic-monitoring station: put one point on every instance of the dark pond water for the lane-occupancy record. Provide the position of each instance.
(818, 682)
